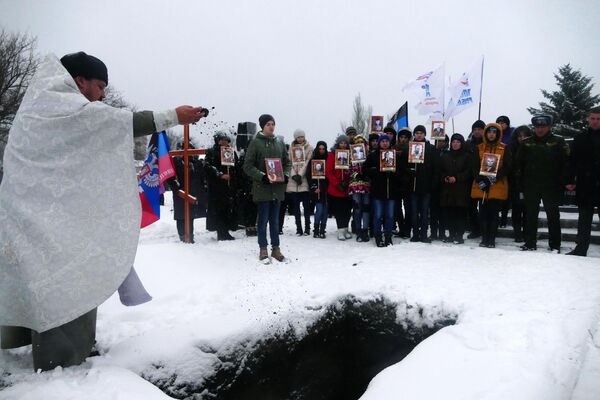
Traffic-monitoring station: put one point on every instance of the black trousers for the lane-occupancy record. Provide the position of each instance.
(489, 217)
(67, 345)
(403, 216)
(456, 221)
(437, 222)
(551, 202)
(181, 229)
(519, 213)
(341, 208)
(473, 215)
(584, 227)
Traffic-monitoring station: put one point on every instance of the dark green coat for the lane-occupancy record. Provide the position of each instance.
(541, 164)
(262, 147)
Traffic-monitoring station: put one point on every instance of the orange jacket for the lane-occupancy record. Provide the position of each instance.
(499, 190)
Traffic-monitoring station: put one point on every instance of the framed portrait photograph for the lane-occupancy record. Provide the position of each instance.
(318, 169)
(342, 159)
(274, 169)
(387, 160)
(438, 130)
(358, 153)
(298, 156)
(489, 164)
(227, 156)
(376, 123)
(416, 152)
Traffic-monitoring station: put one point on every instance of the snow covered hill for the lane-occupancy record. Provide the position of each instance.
(526, 322)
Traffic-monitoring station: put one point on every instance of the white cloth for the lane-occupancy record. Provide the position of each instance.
(69, 204)
(466, 91)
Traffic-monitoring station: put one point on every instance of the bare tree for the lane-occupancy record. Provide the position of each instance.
(115, 99)
(361, 117)
(18, 63)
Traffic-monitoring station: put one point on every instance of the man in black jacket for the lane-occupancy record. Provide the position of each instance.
(584, 178)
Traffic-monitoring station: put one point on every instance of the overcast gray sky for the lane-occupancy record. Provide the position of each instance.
(304, 61)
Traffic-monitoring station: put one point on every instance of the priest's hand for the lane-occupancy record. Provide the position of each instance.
(189, 115)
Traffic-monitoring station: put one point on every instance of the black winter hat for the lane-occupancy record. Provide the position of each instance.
(263, 119)
(389, 129)
(405, 132)
(419, 128)
(81, 64)
(457, 136)
(503, 118)
(478, 124)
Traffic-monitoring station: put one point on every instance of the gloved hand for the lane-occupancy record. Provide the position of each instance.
(286, 179)
(342, 186)
(492, 179)
(265, 180)
(298, 179)
(484, 184)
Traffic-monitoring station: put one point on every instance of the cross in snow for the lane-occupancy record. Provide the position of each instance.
(185, 193)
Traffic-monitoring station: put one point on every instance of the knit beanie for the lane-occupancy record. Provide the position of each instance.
(263, 119)
(503, 118)
(373, 136)
(383, 138)
(478, 124)
(405, 132)
(390, 130)
(419, 128)
(351, 131)
(298, 133)
(81, 64)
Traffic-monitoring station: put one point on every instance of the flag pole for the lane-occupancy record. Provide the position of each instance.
(450, 84)
(481, 87)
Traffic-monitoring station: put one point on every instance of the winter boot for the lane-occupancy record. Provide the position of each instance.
(224, 235)
(307, 228)
(365, 236)
(276, 254)
(263, 255)
(316, 231)
(347, 234)
(251, 231)
(341, 235)
(299, 231)
(379, 241)
(388, 240)
(322, 231)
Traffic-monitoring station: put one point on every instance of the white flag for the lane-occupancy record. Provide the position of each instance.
(466, 91)
(430, 89)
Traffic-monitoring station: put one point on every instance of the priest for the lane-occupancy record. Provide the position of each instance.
(69, 208)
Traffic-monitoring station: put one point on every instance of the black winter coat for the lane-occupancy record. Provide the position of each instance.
(422, 178)
(196, 188)
(456, 164)
(314, 184)
(384, 185)
(221, 193)
(584, 168)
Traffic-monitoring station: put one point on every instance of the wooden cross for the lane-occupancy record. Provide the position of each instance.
(185, 193)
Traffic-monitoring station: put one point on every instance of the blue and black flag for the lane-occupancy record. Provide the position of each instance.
(400, 119)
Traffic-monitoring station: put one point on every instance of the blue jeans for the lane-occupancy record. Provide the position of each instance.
(321, 213)
(268, 211)
(420, 214)
(361, 208)
(383, 209)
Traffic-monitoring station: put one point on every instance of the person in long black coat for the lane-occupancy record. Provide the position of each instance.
(455, 191)
(221, 181)
(584, 178)
(197, 189)
(517, 205)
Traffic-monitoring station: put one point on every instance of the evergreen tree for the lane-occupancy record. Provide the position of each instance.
(569, 105)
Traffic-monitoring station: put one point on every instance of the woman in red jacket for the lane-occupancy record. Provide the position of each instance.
(340, 203)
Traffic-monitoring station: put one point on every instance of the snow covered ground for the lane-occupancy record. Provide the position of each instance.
(528, 322)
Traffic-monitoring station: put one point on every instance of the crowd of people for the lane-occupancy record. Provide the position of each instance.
(426, 192)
